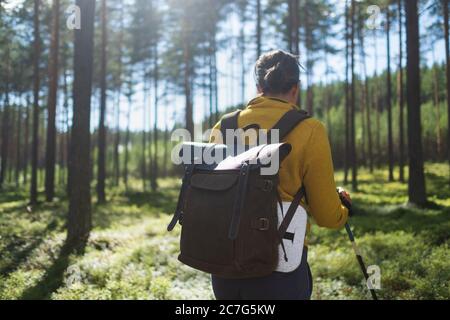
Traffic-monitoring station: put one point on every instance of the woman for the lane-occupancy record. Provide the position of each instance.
(309, 164)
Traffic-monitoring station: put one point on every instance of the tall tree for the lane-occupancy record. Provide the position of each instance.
(242, 12)
(389, 94)
(347, 93)
(416, 190)
(36, 87)
(366, 112)
(80, 219)
(353, 157)
(258, 28)
(5, 125)
(101, 164)
(155, 168)
(19, 159)
(447, 59)
(50, 153)
(401, 95)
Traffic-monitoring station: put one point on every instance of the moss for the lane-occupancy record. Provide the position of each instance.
(130, 255)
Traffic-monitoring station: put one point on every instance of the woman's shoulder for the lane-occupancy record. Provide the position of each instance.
(312, 125)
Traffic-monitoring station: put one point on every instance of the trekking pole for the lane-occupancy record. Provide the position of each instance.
(360, 260)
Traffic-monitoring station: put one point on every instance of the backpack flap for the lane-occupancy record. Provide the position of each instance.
(218, 182)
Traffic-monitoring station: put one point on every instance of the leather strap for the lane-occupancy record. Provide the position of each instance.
(287, 123)
(229, 122)
(239, 202)
(179, 211)
(291, 213)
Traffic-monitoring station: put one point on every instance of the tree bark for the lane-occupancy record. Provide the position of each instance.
(79, 222)
(52, 100)
(117, 139)
(154, 176)
(366, 110)
(187, 83)
(127, 142)
(354, 161)
(26, 146)
(416, 190)
(447, 59)
(18, 145)
(258, 29)
(401, 96)
(347, 94)
(36, 87)
(5, 140)
(389, 97)
(101, 170)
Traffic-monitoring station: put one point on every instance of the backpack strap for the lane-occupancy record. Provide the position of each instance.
(229, 122)
(289, 122)
(178, 215)
(285, 125)
(290, 213)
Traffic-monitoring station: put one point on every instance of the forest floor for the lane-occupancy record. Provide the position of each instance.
(131, 256)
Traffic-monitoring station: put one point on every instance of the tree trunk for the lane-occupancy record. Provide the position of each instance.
(212, 115)
(389, 97)
(354, 162)
(116, 155)
(376, 101)
(26, 146)
(447, 59)
(416, 190)
(258, 29)
(347, 95)
(5, 125)
(437, 107)
(187, 86)
(401, 97)
(36, 87)
(80, 219)
(127, 142)
(166, 143)
(52, 100)
(101, 170)
(66, 150)
(5, 140)
(119, 95)
(154, 179)
(366, 112)
(18, 146)
(144, 139)
(309, 64)
(296, 39)
(242, 48)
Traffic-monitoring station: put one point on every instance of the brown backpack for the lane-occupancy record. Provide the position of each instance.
(228, 211)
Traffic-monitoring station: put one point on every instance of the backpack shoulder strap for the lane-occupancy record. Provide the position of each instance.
(229, 122)
(286, 124)
(291, 213)
(289, 122)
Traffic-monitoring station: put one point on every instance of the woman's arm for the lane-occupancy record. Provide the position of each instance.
(318, 179)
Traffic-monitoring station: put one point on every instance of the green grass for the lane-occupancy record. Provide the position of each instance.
(131, 256)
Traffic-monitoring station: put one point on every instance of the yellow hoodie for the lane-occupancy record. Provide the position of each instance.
(310, 162)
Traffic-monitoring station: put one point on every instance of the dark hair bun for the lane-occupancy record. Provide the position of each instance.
(277, 72)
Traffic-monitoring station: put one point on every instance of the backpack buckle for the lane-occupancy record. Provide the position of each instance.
(264, 224)
(267, 185)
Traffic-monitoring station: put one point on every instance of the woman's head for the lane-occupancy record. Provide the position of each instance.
(278, 74)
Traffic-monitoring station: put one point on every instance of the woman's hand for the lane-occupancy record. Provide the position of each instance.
(346, 200)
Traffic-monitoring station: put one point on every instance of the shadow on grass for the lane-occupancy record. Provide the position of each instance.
(431, 223)
(163, 200)
(21, 256)
(54, 276)
(132, 206)
(438, 185)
